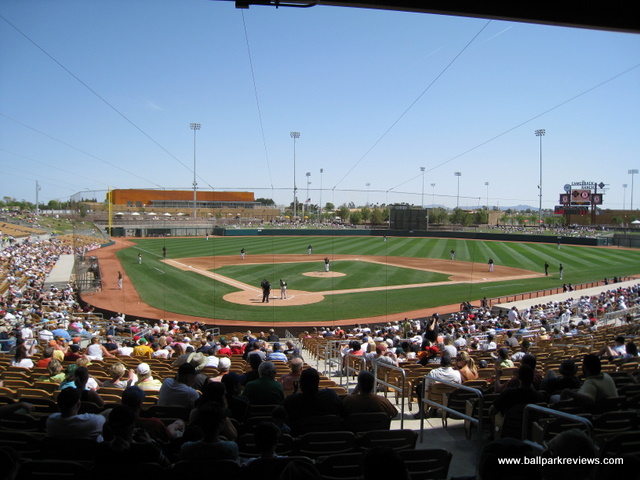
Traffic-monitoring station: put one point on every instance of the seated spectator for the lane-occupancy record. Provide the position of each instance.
(276, 355)
(88, 394)
(47, 355)
(597, 385)
(199, 361)
(215, 392)
(265, 390)
(142, 350)
(311, 401)
(158, 352)
(254, 348)
(617, 350)
(146, 381)
(56, 375)
(524, 349)
(126, 349)
(509, 398)
(553, 385)
(96, 351)
(429, 355)
(73, 353)
(502, 359)
(252, 374)
(290, 380)
(110, 345)
(224, 347)
(272, 336)
(510, 341)
(237, 404)
(69, 377)
(291, 351)
(444, 372)
(266, 436)
(68, 424)
(129, 444)
(117, 372)
(513, 382)
(383, 356)
(236, 346)
(490, 344)
(631, 353)
(156, 428)
(224, 366)
(21, 358)
(466, 365)
(365, 400)
(210, 419)
(449, 346)
(179, 390)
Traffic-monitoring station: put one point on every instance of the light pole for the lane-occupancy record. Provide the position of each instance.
(433, 195)
(540, 133)
(422, 169)
(632, 172)
(458, 174)
(195, 127)
(37, 203)
(320, 214)
(368, 185)
(308, 174)
(624, 196)
(294, 135)
(487, 185)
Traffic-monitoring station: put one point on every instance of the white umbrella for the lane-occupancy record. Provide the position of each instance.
(636, 222)
(150, 213)
(166, 214)
(135, 213)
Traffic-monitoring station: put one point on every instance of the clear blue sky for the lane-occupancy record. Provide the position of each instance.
(101, 93)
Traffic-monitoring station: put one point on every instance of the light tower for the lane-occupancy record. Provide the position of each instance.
(294, 135)
(632, 172)
(458, 174)
(422, 169)
(195, 127)
(540, 133)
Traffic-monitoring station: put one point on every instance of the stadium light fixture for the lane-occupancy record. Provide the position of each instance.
(540, 133)
(632, 172)
(458, 174)
(487, 185)
(294, 135)
(422, 169)
(195, 127)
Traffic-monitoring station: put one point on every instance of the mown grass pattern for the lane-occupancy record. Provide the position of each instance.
(173, 290)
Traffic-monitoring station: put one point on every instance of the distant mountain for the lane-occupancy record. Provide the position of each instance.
(519, 208)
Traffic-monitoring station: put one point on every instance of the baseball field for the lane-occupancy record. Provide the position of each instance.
(369, 277)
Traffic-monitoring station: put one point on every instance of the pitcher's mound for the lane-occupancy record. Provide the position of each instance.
(294, 297)
(324, 274)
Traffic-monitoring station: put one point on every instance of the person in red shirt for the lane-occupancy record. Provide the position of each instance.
(224, 349)
(47, 354)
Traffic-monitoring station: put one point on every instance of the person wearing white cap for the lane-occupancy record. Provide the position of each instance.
(145, 381)
(224, 365)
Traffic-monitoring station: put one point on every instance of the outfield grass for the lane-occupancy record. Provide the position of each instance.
(357, 275)
(178, 291)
